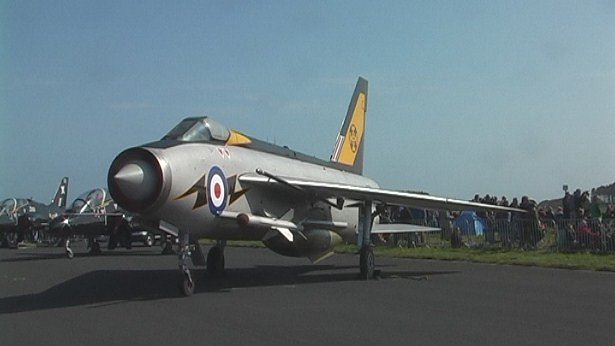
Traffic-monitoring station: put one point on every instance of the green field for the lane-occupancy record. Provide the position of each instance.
(540, 257)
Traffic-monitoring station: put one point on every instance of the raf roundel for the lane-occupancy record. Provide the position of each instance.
(217, 190)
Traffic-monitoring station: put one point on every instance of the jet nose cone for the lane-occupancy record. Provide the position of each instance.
(136, 179)
(130, 179)
(130, 174)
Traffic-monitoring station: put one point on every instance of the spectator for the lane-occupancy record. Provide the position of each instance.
(577, 201)
(587, 236)
(568, 205)
(446, 223)
(586, 204)
(529, 223)
(596, 213)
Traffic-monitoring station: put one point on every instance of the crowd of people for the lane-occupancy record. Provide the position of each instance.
(581, 221)
(522, 229)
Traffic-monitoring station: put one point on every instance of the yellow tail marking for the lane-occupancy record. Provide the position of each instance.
(354, 134)
(237, 138)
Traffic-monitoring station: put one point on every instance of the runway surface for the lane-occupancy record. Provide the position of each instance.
(131, 297)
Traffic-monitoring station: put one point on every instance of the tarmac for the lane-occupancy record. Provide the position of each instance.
(130, 297)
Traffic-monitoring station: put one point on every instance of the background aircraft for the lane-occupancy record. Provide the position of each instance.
(94, 214)
(22, 218)
(203, 180)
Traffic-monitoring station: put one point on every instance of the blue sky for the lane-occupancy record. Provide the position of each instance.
(497, 97)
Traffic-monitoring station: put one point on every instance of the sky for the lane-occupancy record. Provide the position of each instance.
(491, 97)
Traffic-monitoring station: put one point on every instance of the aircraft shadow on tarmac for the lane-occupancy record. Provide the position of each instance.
(103, 287)
(32, 256)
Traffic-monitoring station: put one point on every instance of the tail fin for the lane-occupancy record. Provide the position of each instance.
(348, 149)
(59, 200)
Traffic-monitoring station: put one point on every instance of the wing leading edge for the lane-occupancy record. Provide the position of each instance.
(321, 189)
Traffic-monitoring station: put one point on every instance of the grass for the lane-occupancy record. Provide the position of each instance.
(540, 258)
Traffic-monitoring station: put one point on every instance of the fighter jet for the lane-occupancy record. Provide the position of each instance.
(93, 215)
(202, 180)
(22, 218)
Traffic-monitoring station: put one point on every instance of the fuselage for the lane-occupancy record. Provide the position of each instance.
(19, 214)
(180, 173)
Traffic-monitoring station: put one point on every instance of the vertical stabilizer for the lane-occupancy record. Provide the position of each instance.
(349, 146)
(59, 200)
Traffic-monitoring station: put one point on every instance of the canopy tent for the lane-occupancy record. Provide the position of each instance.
(470, 223)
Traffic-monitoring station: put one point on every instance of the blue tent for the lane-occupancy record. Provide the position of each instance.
(470, 223)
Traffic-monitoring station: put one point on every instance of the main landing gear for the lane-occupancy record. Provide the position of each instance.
(367, 262)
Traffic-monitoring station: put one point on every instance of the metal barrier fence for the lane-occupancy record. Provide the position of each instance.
(560, 235)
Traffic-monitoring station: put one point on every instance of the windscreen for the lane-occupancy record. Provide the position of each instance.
(90, 202)
(198, 130)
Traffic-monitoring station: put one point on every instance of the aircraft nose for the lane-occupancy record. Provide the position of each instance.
(137, 181)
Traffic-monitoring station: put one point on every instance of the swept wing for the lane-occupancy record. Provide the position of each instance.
(325, 190)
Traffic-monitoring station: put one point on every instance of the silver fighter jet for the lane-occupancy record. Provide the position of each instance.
(203, 180)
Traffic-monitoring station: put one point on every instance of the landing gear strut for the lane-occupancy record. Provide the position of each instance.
(67, 249)
(367, 261)
(186, 284)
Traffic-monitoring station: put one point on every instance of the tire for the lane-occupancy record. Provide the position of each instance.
(215, 262)
(12, 239)
(149, 240)
(167, 248)
(367, 263)
(186, 287)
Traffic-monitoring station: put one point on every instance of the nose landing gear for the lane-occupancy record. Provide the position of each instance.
(214, 264)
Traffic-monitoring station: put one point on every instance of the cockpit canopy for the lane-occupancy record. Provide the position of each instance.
(199, 129)
(12, 205)
(93, 201)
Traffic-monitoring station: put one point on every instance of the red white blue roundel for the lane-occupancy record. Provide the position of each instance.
(217, 190)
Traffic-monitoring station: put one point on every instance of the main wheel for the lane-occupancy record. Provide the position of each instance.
(215, 262)
(95, 248)
(367, 262)
(69, 253)
(12, 239)
(167, 248)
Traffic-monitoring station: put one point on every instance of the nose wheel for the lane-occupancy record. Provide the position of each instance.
(186, 284)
